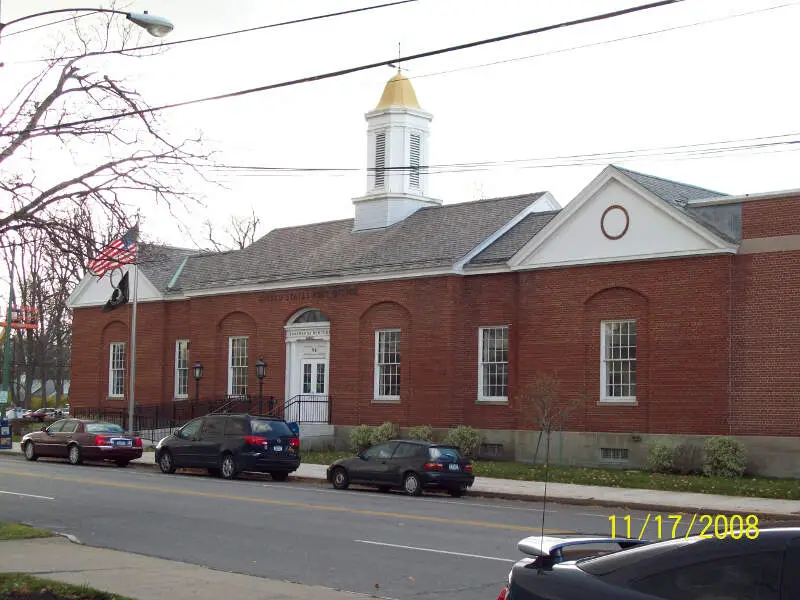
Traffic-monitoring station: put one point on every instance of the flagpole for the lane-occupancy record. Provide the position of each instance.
(131, 394)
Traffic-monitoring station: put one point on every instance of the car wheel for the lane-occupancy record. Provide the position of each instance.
(166, 463)
(341, 481)
(74, 455)
(121, 463)
(456, 492)
(228, 467)
(30, 451)
(279, 475)
(412, 484)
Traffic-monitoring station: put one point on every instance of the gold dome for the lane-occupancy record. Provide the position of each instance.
(398, 92)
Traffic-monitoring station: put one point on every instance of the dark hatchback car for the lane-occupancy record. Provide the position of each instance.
(82, 439)
(694, 568)
(408, 464)
(227, 445)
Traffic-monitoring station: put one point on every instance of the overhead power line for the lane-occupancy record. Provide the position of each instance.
(342, 72)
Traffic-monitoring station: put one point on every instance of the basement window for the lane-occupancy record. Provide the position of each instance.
(614, 454)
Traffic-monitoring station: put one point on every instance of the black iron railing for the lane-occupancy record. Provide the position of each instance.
(305, 408)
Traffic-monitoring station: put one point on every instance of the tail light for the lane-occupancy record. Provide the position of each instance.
(101, 440)
(503, 594)
(430, 466)
(255, 440)
(137, 442)
(468, 468)
(294, 443)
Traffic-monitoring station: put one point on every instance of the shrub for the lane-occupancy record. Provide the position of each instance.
(361, 438)
(382, 433)
(421, 432)
(468, 439)
(724, 457)
(688, 459)
(661, 456)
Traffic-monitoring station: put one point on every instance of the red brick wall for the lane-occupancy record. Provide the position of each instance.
(768, 218)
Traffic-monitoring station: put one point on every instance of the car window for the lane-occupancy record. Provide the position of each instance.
(405, 451)
(103, 428)
(56, 427)
(213, 427)
(269, 427)
(753, 576)
(444, 454)
(191, 429)
(380, 451)
(69, 427)
(236, 427)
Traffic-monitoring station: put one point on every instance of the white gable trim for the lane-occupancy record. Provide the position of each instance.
(608, 174)
(545, 202)
(87, 287)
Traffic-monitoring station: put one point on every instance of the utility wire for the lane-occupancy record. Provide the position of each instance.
(5, 35)
(339, 73)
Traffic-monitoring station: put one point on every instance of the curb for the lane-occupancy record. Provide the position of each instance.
(770, 517)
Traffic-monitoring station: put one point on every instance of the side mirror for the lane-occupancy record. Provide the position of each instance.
(43, 428)
(177, 433)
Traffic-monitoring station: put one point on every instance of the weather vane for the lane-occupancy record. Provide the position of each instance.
(397, 65)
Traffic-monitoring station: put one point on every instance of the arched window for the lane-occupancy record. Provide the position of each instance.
(312, 315)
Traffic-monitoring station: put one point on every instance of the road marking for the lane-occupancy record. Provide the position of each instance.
(511, 560)
(287, 503)
(27, 495)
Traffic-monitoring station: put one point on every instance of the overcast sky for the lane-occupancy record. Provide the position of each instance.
(727, 79)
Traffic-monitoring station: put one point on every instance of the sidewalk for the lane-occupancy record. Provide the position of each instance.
(144, 577)
(567, 493)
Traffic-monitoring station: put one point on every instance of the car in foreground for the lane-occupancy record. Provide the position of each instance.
(724, 567)
(229, 444)
(411, 465)
(82, 439)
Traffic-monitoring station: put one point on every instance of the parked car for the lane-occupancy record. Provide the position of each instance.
(228, 444)
(43, 414)
(82, 439)
(412, 465)
(694, 568)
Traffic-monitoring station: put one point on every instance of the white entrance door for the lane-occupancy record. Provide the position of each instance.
(312, 404)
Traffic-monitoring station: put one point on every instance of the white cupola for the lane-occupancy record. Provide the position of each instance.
(397, 153)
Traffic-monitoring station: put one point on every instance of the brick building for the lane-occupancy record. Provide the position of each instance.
(672, 309)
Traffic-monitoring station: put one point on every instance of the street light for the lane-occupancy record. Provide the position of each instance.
(154, 25)
(261, 371)
(197, 371)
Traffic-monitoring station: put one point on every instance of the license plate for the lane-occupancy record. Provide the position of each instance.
(454, 467)
(278, 448)
(122, 442)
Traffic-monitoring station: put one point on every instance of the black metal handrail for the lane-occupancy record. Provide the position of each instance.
(305, 408)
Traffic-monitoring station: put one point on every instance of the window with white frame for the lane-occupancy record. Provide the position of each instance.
(387, 364)
(116, 370)
(618, 360)
(182, 368)
(493, 363)
(237, 366)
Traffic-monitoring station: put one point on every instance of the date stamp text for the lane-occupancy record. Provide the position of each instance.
(669, 527)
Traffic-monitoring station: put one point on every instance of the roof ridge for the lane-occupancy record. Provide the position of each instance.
(495, 199)
(673, 181)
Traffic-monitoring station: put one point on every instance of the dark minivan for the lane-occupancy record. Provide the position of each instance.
(412, 465)
(228, 444)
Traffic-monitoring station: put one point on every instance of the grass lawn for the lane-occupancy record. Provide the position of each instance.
(16, 586)
(756, 487)
(16, 531)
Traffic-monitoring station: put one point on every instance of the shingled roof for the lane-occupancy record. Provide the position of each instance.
(430, 237)
(160, 263)
(514, 239)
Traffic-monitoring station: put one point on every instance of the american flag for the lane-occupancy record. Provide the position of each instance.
(119, 252)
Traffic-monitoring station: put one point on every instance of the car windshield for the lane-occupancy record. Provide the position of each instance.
(269, 427)
(445, 454)
(103, 428)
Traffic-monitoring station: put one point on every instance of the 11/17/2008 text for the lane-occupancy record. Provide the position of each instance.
(711, 526)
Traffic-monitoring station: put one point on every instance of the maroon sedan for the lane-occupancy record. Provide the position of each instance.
(83, 439)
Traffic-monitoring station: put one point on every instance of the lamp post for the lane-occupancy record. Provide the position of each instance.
(197, 371)
(154, 25)
(261, 371)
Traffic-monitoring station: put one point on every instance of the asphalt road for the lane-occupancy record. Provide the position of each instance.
(389, 545)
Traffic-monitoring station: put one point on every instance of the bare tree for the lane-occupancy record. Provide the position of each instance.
(241, 232)
(112, 162)
(543, 406)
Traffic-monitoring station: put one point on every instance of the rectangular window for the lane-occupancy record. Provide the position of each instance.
(116, 370)
(182, 369)
(387, 364)
(414, 159)
(618, 361)
(493, 363)
(237, 366)
(380, 159)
